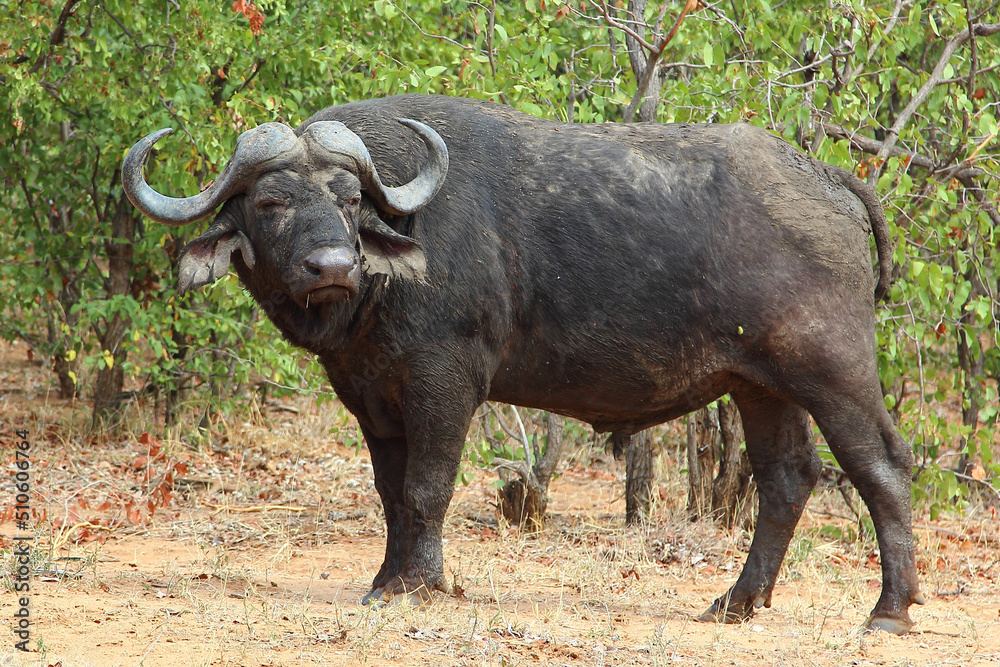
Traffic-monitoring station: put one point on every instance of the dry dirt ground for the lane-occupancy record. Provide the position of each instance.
(255, 546)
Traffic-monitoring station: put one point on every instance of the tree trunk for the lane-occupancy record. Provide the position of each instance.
(524, 499)
(63, 364)
(111, 379)
(716, 435)
(174, 391)
(732, 490)
(639, 476)
(970, 361)
(638, 57)
(702, 448)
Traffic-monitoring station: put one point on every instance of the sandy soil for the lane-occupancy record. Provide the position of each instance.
(256, 547)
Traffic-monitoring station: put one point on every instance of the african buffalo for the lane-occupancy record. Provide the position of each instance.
(623, 275)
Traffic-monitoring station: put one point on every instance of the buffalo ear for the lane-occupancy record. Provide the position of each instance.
(386, 251)
(206, 259)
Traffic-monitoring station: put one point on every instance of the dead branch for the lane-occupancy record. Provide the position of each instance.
(935, 78)
(876, 147)
(962, 172)
(991, 210)
(654, 55)
(429, 35)
(56, 38)
(236, 509)
(493, 65)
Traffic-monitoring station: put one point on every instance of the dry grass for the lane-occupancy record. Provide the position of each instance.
(273, 532)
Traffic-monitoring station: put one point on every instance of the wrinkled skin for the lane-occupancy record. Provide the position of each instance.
(621, 275)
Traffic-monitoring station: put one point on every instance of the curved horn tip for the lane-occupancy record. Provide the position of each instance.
(167, 210)
(159, 134)
(140, 150)
(431, 138)
(414, 124)
(153, 137)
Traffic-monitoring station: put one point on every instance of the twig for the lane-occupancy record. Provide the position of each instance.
(982, 482)
(973, 62)
(149, 648)
(875, 147)
(965, 179)
(57, 36)
(852, 71)
(524, 439)
(173, 114)
(121, 25)
(962, 79)
(937, 74)
(981, 147)
(961, 172)
(988, 540)
(65, 534)
(428, 34)
(503, 424)
(654, 55)
(615, 23)
(520, 468)
(832, 514)
(257, 508)
(489, 52)
(256, 68)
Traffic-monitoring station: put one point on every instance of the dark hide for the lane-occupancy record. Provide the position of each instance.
(623, 275)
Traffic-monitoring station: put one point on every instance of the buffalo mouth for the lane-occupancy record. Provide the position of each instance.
(328, 294)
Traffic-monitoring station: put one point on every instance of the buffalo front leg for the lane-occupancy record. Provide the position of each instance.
(389, 463)
(785, 467)
(415, 477)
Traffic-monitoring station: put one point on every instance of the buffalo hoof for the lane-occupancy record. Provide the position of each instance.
(896, 621)
(724, 610)
(373, 597)
(398, 593)
(895, 625)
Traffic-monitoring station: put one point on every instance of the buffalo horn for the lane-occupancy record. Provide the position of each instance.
(336, 138)
(256, 150)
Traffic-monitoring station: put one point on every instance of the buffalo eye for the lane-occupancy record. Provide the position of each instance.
(354, 201)
(271, 205)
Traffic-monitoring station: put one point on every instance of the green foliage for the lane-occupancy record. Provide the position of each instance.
(80, 82)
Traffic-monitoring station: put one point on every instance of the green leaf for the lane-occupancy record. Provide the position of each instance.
(935, 280)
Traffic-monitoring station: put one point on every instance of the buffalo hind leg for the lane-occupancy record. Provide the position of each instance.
(879, 463)
(785, 467)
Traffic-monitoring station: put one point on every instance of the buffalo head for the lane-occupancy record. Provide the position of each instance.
(302, 211)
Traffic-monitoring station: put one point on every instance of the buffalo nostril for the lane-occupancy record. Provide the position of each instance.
(330, 263)
(333, 273)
